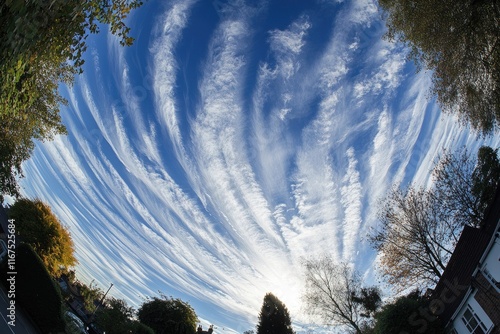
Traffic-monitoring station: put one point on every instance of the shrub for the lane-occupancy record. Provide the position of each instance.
(35, 291)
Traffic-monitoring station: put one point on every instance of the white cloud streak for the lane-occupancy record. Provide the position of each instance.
(219, 204)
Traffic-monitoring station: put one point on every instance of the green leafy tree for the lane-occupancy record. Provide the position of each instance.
(116, 317)
(61, 27)
(37, 226)
(168, 316)
(41, 46)
(407, 314)
(335, 294)
(369, 299)
(42, 43)
(90, 294)
(18, 133)
(458, 41)
(137, 327)
(274, 317)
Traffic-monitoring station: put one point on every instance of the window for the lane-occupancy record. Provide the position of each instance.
(472, 322)
(492, 280)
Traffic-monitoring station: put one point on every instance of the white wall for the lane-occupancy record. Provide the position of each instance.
(459, 325)
(492, 261)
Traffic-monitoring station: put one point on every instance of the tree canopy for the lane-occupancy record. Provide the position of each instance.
(116, 317)
(37, 226)
(334, 292)
(168, 316)
(274, 317)
(90, 294)
(18, 133)
(407, 314)
(466, 185)
(42, 44)
(458, 41)
(38, 27)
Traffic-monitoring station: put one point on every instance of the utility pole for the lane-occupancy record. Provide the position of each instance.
(100, 303)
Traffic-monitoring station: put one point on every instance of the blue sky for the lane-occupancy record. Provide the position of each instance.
(231, 141)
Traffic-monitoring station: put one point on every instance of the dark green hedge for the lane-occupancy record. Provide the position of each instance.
(35, 291)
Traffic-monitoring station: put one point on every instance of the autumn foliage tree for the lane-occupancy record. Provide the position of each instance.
(458, 41)
(415, 239)
(419, 228)
(37, 226)
(274, 317)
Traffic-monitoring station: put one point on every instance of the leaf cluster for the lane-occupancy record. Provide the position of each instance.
(168, 315)
(42, 44)
(459, 42)
(38, 28)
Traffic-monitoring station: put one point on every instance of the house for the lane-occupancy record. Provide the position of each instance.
(467, 297)
(75, 299)
(201, 331)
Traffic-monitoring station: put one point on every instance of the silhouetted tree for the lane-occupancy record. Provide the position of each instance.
(36, 291)
(274, 317)
(116, 317)
(407, 314)
(466, 185)
(369, 299)
(334, 293)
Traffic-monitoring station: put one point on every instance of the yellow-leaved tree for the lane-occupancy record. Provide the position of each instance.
(39, 227)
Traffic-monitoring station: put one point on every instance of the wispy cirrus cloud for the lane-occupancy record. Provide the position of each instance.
(213, 183)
